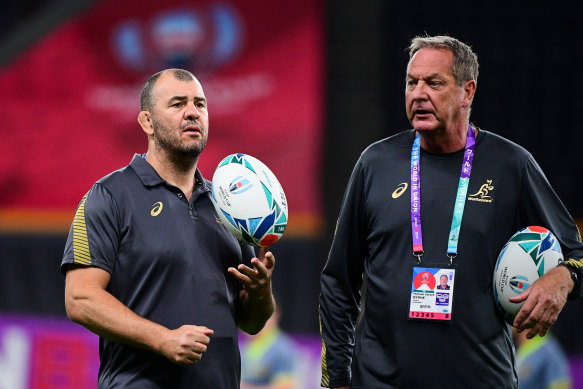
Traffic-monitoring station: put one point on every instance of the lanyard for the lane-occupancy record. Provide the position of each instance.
(460, 200)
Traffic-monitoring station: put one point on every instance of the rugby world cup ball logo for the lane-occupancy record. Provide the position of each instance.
(240, 185)
(519, 284)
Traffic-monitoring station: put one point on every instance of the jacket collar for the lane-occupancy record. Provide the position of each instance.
(150, 177)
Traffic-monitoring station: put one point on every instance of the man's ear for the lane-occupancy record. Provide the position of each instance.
(469, 91)
(145, 120)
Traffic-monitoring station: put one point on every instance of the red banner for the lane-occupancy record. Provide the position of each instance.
(71, 102)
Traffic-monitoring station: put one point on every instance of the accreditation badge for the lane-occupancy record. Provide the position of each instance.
(432, 293)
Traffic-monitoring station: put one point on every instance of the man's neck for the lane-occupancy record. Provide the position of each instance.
(446, 141)
(177, 172)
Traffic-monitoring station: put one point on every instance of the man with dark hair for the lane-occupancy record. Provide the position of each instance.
(457, 227)
(150, 268)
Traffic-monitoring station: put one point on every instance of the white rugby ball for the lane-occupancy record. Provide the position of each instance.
(249, 200)
(528, 254)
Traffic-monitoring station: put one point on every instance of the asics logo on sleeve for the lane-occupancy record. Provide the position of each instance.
(157, 208)
(400, 190)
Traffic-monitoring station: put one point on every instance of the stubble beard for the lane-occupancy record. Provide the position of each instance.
(181, 155)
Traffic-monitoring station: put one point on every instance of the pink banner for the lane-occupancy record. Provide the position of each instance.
(50, 353)
(42, 353)
(70, 103)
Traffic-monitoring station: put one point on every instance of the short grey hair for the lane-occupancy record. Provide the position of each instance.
(147, 100)
(465, 61)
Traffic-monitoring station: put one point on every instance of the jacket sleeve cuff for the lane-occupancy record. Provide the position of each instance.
(576, 268)
(337, 382)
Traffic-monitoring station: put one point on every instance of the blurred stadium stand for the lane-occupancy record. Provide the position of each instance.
(23, 22)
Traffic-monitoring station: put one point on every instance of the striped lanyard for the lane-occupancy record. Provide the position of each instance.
(460, 200)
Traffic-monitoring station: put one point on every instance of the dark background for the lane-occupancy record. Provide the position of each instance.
(529, 91)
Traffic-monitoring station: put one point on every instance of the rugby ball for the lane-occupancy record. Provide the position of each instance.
(249, 200)
(530, 253)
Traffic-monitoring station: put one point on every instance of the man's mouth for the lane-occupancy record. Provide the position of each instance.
(422, 112)
(192, 128)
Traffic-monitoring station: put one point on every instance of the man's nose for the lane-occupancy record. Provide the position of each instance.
(419, 92)
(191, 112)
